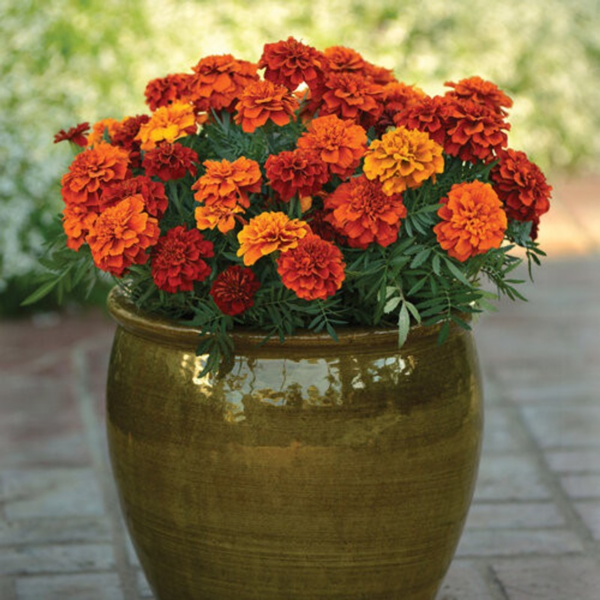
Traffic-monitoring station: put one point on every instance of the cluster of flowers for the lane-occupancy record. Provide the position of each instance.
(144, 190)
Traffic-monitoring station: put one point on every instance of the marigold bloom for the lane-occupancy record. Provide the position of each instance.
(397, 97)
(168, 123)
(74, 134)
(77, 221)
(296, 172)
(314, 269)
(364, 214)
(221, 216)
(164, 91)
(227, 182)
(378, 75)
(339, 143)
(152, 192)
(402, 159)
(474, 132)
(262, 101)
(269, 232)
(178, 259)
(91, 171)
(100, 130)
(473, 221)
(290, 62)
(233, 290)
(428, 114)
(121, 235)
(352, 96)
(340, 58)
(521, 186)
(170, 161)
(124, 135)
(482, 92)
(219, 80)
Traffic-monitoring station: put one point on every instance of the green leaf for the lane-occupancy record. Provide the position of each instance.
(403, 325)
(40, 293)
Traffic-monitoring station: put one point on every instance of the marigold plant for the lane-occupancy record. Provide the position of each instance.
(309, 190)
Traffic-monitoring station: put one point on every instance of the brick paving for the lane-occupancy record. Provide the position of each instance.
(534, 527)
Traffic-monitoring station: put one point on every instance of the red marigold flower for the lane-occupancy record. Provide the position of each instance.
(233, 290)
(76, 134)
(152, 192)
(290, 62)
(218, 81)
(379, 75)
(170, 161)
(296, 172)
(91, 171)
(262, 101)
(339, 143)
(167, 90)
(227, 182)
(362, 212)
(340, 58)
(319, 223)
(77, 221)
(121, 235)
(473, 221)
(352, 96)
(521, 186)
(482, 92)
(178, 259)
(397, 97)
(474, 132)
(427, 114)
(314, 269)
(124, 136)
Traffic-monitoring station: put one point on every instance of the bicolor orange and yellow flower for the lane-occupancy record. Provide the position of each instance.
(168, 123)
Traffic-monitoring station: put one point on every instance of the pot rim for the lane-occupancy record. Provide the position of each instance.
(156, 327)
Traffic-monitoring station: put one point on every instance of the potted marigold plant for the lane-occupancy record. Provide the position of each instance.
(294, 405)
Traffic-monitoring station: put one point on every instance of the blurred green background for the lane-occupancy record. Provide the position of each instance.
(68, 61)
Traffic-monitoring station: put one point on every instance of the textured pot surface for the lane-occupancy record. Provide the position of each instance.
(310, 470)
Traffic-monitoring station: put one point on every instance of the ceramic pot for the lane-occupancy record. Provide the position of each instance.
(310, 470)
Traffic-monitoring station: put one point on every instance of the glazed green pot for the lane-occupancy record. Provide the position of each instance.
(311, 470)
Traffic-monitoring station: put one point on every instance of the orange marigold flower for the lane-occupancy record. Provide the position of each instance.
(474, 132)
(152, 192)
(178, 260)
(262, 101)
(473, 221)
(76, 134)
(170, 161)
(482, 92)
(340, 58)
(222, 216)
(269, 232)
(379, 75)
(428, 114)
(521, 186)
(168, 123)
(364, 214)
(227, 182)
(352, 96)
(121, 235)
(91, 171)
(290, 63)
(100, 129)
(77, 221)
(339, 143)
(164, 91)
(402, 159)
(219, 80)
(234, 289)
(314, 269)
(296, 172)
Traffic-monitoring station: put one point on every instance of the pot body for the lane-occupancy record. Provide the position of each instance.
(309, 470)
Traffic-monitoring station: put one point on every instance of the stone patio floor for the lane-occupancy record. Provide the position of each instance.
(534, 527)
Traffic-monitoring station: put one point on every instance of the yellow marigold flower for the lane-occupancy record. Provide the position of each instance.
(168, 123)
(267, 233)
(403, 158)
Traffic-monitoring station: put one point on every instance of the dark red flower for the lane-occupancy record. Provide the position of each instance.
(76, 134)
(428, 114)
(170, 161)
(153, 193)
(233, 290)
(296, 172)
(178, 259)
(166, 90)
(124, 137)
